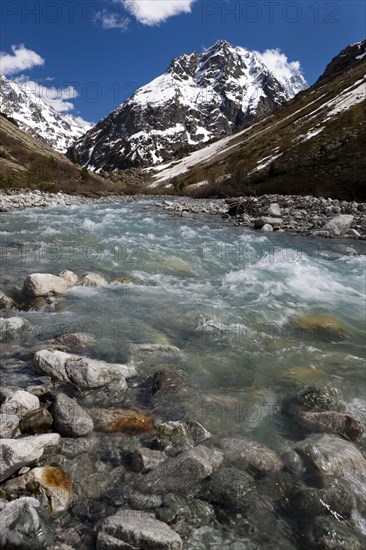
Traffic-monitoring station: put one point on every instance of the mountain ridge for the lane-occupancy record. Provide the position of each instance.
(39, 119)
(197, 99)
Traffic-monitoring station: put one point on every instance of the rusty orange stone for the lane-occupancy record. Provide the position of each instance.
(127, 421)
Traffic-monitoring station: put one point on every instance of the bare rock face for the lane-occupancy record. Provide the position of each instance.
(69, 277)
(132, 529)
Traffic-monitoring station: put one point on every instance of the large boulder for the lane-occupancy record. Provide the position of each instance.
(328, 533)
(70, 419)
(329, 454)
(92, 280)
(182, 472)
(16, 453)
(20, 403)
(48, 484)
(69, 277)
(132, 529)
(274, 210)
(81, 371)
(43, 285)
(229, 487)
(249, 454)
(6, 302)
(24, 525)
(12, 328)
(335, 498)
(339, 225)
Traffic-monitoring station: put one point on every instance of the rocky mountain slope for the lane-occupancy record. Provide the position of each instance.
(28, 163)
(39, 119)
(199, 98)
(313, 145)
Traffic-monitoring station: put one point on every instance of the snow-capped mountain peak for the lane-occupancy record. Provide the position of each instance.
(39, 119)
(198, 98)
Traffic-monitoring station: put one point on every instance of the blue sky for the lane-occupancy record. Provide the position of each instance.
(89, 56)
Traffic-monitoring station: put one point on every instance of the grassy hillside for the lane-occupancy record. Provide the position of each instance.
(299, 149)
(28, 163)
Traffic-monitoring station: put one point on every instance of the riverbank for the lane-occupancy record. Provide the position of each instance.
(302, 215)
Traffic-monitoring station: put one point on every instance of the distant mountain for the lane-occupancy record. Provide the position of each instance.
(37, 118)
(199, 98)
(314, 144)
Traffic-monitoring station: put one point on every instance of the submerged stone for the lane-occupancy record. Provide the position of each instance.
(132, 529)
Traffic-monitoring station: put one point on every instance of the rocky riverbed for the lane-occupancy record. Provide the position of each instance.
(224, 409)
(306, 215)
(87, 462)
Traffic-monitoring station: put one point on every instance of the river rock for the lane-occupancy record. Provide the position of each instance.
(333, 499)
(333, 422)
(80, 371)
(260, 222)
(69, 277)
(230, 488)
(36, 422)
(321, 325)
(24, 525)
(126, 421)
(165, 380)
(327, 533)
(43, 285)
(182, 472)
(266, 228)
(20, 403)
(330, 455)
(8, 425)
(249, 454)
(48, 484)
(132, 529)
(339, 225)
(6, 302)
(12, 328)
(274, 210)
(92, 280)
(144, 460)
(318, 397)
(180, 435)
(180, 508)
(16, 453)
(70, 339)
(70, 419)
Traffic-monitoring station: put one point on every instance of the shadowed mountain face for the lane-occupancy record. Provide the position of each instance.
(199, 98)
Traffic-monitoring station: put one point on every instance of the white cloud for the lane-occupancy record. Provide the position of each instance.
(114, 21)
(20, 60)
(152, 12)
(278, 63)
(60, 98)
